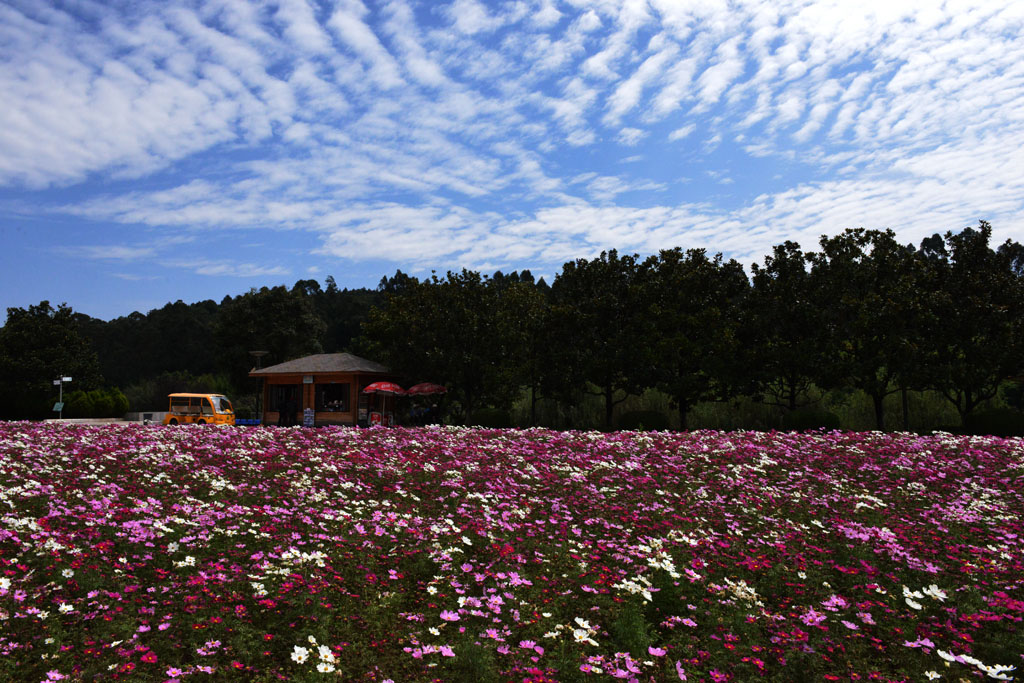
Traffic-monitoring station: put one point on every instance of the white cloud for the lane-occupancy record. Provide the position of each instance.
(461, 131)
(631, 136)
(111, 252)
(471, 17)
(348, 26)
(216, 268)
(680, 133)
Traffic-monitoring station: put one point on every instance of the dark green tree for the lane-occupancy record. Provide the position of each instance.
(867, 285)
(693, 304)
(343, 312)
(175, 337)
(522, 326)
(977, 308)
(281, 321)
(38, 345)
(444, 331)
(783, 337)
(607, 327)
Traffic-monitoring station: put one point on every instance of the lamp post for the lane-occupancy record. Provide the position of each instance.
(59, 382)
(258, 355)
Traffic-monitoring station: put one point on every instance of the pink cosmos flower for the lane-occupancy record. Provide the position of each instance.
(656, 651)
(447, 651)
(448, 615)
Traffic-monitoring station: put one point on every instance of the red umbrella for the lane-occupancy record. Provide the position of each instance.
(383, 388)
(426, 388)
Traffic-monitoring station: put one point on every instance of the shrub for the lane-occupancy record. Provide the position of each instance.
(650, 420)
(995, 422)
(803, 419)
(78, 403)
(492, 417)
(96, 403)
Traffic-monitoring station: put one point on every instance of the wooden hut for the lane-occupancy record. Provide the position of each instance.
(321, 389)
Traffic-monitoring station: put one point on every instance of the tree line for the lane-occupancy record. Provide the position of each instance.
(202, 346)
(862, 312)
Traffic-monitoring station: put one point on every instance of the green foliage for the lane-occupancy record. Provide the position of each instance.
(691, 302)
(629, 630)
(865, 282)
(38, 345)
(109, 402)
(603, 326)
(459, 330)
(995, 422)
(281, 321)
(151, 394)
(643, 419)
(977, 298)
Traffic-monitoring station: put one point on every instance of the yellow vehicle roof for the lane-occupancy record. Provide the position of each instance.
(183, 395)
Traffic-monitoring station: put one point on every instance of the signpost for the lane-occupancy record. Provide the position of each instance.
(58, 407)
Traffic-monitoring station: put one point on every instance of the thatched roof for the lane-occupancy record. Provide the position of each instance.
(320, 363)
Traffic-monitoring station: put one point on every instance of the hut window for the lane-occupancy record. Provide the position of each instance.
(333, 397)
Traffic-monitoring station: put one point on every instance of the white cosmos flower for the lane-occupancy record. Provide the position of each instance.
(300, 654)
(935, 592)
(325, 667)
(911, 603)
(931, 675)
(583, 636)
(996, 671)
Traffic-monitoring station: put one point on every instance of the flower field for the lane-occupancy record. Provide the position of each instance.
(146, 553)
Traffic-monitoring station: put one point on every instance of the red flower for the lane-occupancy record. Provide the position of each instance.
(149, 657)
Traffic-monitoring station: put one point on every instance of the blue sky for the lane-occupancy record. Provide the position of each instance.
(154, 151)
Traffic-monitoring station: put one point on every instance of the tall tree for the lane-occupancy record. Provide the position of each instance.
(443, 330)
(783, 336)
(693, 304)
(277, 320)
(38, 345)
(607, 326)
(977, 339)
(522, 326)
(868, 283)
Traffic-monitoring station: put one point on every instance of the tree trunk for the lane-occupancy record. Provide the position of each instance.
(879, 400)
(906, 408)
(684, 408)
(609, 394)
(533, 405)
